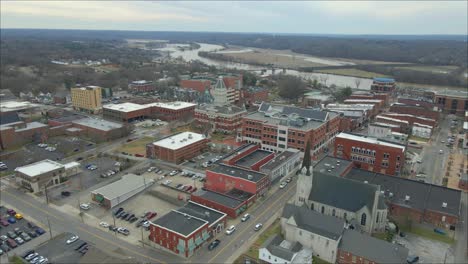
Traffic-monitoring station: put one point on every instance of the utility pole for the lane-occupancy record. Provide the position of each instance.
(46, 195)
(142, 241)
(50, 228)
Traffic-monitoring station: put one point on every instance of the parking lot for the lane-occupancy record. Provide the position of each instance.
(64, 146)
(84, 180)
(197, 163)
(429, 251)
(14, 232)
(57, 250)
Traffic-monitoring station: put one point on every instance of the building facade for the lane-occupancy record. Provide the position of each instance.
(88, 99)
(177, 148)
(371, 153)
(383, 85)
(141, 86)
(451, 101)
(226, 118)
(278, 128)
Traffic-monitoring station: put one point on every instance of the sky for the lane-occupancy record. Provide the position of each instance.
(313, 17)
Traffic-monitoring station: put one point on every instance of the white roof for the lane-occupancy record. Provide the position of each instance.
(99, 124)
(350, 106)
(173, 105)
(127, 184)
(40, 167)
(73, 129)
(422, 125)
(125, 107)
(180, 140)
(409, 115)
(391, 119)
(384, 124)
(72, 164)
(363, 100)
(465, 125)
(368, 140)
(7, 106)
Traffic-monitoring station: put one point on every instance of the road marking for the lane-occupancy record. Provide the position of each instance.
(250, 225)
(83, 229)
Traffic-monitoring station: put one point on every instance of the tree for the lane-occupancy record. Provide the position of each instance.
(291, 87)
(342, 94)
(357, 81)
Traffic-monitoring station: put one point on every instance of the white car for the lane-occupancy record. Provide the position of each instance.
(72, 239)
(174, 172)
(230, 230)
(85, 206)
(104, 224)
(441, 152)
(145, 224)
(151, 169)
(283, 184)
(167, 182)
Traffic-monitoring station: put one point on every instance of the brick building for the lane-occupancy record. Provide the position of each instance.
(278, 128)
(419, 201)
(378, 103)
(385, 97)
(177, 148)
(185, 230)
(87, 99)
(417, 110)
(402, 124)
(316, 99)
(385, 85)
(371, 153)
(129, 112)
(224, 118)
(223, 178)
(254, 94)
(141, 86)
(420, 102)
(411, 119)
(199, 85)
(19, 133)
(232, 203)
(99, 130)
(452, 101)
(249, 156)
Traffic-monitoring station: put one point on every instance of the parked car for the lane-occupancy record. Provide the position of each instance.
(65, 193)
(31, 256)
(11, 212)
(18, 216)
(19, 241)
(412, 259)
(245, 217)
(32, 234)
(40, 231)
(151, 215)
(288, 180)
(81, 246)
(133, 219)
(27, 253)
(72, 239)
(118, 211)
(3, 222)
(11, 243)
(18, 231)
(5, 247)
(179, 185)
(230, 230)
(123, 231)
(282, 185)
(104, 224)
(258, 226)
(214, 244)
(11, 235)
(85, 206)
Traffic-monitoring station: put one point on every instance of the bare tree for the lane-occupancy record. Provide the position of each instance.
(357, 81)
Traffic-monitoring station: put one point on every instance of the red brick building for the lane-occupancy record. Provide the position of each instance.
(99, 130)
(383, 85)
(233, 203)
(223, 178)
(187, 229)
(463, 182)
(414, 110)
(19, 133)
(385, 97)
(128, 112)
(452, 101)
(278, 128)
(226, 118)
(249, 157)
(199, 85)
(254, 94)
(370, 153)
(415, 200)
(378, 103)
(411, 119)
(141, 86)
(177, 148)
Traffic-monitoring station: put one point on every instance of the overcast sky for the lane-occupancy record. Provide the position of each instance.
(332, 17)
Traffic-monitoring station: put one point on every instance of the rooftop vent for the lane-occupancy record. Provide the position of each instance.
(407, 197)
(382, 192)
(190, 136)
(172, 142)
(390, 194)
(233, 172)
(327, 165)
(250, 177)
(207, 214)
(444, 205)
(366, 182)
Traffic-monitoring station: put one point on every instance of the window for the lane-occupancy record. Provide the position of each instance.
(333, 212)
(345, 216)
(363, 219)
(323, 209)
(398, 158)
(378, 216)
(312, 206)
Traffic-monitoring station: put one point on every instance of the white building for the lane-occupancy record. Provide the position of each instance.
(279, 251)
(283, 164)
(422, 131)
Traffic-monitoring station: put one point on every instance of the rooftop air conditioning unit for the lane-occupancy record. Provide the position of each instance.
(407, 197)
(366, 182)
(444, 205)
(390, 194)
(250, 177)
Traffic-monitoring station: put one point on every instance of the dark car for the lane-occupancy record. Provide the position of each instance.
(29, 224)
(81, 246)
(214, 244)
(11, 220)
(402, 234)
(40, 231)
(5, 247)
(65, 193)
(412, 259)
(29, 252)
(32, 234)
(79, 158)
(11, 243)
(11, 212)
(125, 216)
(130, 217)
(133, 219)
(11, 235)
(118, 211)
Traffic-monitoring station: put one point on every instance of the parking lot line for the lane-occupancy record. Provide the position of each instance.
(83, 229)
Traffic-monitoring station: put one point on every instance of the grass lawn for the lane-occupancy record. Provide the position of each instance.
(429, 233)
(435, 69)
(317, 260)
(5, 173)
(418, 139)
(353, 72)
(136, 146)
(273, 229)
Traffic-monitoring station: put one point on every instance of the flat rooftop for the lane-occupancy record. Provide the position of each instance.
(126, 184)
(40, 167)
(453, 93)
(253, 158)
(350, 106)
(363, 101)
(408, 115)
(172, 105)
(8, 106)
(180, 223)
(219, 198)
(200, 211)
(380, 124)
(180, 140)
(332, 165)
(239, 151)
(384, 80)
(279, 159)
(238, 172)
(99, 124)
(31, 125)
(368, 140)
(274, 121)
(392, 119)
(125, 107)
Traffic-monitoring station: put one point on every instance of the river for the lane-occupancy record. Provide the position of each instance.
(327, 79)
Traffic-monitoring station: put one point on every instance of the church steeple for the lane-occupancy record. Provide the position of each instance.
(306, 163)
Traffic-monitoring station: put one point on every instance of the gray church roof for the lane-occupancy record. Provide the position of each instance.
(314, 222)
(371, 248)
(342, 193)
(302, 112)
(273, 244)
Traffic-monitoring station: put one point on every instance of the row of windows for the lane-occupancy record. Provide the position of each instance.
(363, 151)
(252, 136)
(363, 159)
(252, 129)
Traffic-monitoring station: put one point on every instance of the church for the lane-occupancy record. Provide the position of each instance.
(360, 204)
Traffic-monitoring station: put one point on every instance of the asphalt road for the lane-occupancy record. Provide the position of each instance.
(61, 222)
(232, 246)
